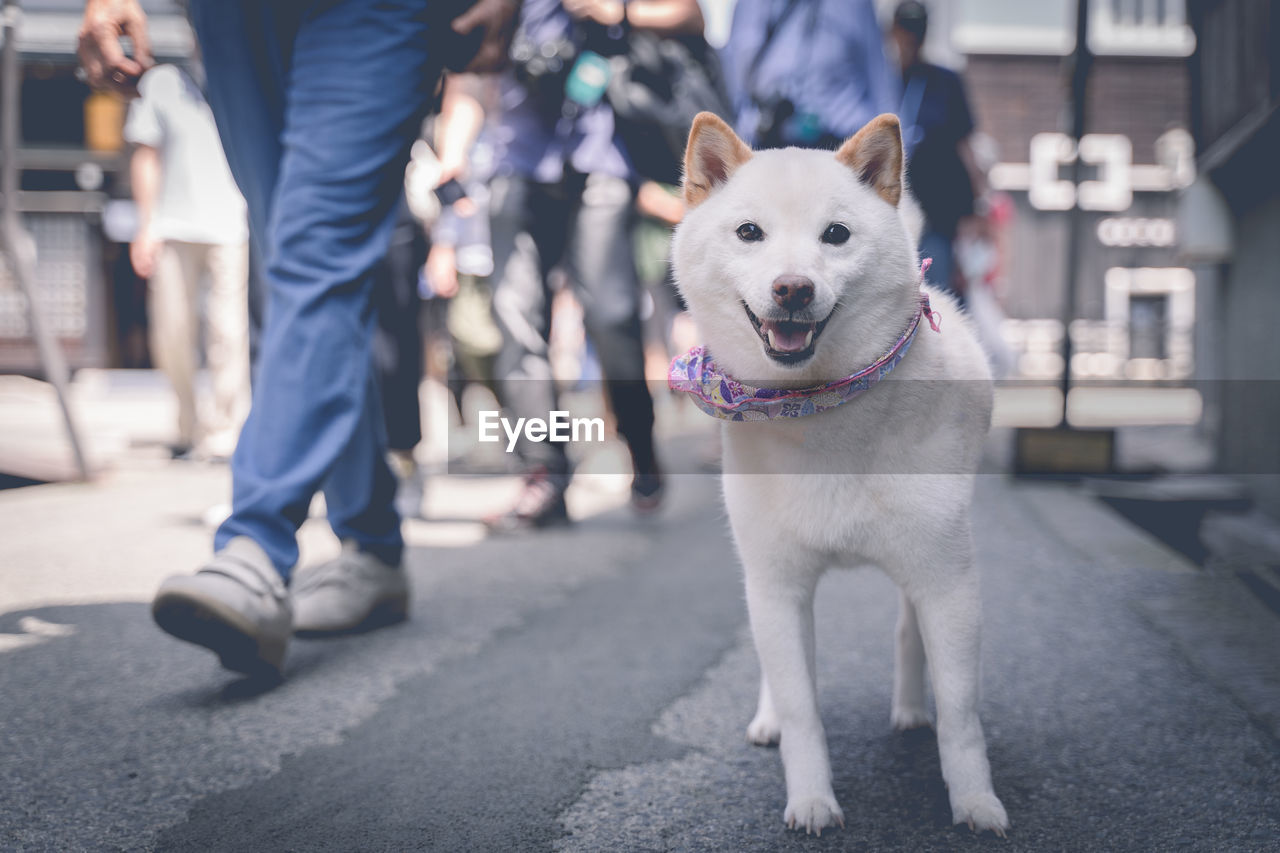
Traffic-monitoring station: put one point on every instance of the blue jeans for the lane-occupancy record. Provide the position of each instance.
(317, 104)
(936, 245)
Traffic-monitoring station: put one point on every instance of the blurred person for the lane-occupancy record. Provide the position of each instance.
(191, 227)
(460, 262)
(808, 73)
(564, 190)
(448, 193)
(318, 104)
(981, 251)
(398, 355)
(661, 210)
(936, 129)
(458, 269)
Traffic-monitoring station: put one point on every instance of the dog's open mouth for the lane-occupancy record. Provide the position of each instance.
(788, 341)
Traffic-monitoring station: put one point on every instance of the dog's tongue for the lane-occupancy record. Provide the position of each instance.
(787, 337)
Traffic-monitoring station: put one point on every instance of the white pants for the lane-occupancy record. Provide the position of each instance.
(174, 301)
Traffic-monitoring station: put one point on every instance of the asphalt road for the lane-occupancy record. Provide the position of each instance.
(588, 689)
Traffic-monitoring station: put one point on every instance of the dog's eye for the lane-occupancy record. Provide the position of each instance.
(835, 234)
(749, 232)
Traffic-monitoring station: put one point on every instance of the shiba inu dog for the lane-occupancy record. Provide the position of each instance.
(800, 270)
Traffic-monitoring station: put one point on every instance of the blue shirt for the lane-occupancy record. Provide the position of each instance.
(826, 57)
(528, 143)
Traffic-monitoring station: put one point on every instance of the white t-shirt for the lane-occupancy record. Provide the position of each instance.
(197, 200)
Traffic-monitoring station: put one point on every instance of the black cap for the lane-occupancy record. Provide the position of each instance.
(913, 17)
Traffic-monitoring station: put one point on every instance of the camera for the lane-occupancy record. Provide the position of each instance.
(542, 69)
(782, 125)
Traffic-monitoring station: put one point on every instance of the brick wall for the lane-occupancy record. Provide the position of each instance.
(1016, 97)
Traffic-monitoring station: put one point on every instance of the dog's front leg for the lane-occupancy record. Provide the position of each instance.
(780, 604)
(950, 624)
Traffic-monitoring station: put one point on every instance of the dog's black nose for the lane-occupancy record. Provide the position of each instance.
(792, 292)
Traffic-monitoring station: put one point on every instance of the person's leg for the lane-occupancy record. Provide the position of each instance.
(228, 344)
(172, 292)
(524, 249)
(398, 352)
(247, 47)
(237, 605)
(602, 264)
(398, 348)
(936, 245)
(358, 85)
(527, 234)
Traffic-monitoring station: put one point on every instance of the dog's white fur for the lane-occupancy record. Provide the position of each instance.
(886, 479)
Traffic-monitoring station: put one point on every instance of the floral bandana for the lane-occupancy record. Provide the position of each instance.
(722, 396)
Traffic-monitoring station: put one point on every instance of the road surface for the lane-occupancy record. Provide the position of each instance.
(588, 689)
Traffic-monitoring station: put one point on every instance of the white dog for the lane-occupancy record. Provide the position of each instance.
(801, 273)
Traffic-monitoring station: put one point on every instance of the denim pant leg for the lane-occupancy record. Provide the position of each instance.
(357, 84)
(601, 262)
(936, 245)
(246, 47)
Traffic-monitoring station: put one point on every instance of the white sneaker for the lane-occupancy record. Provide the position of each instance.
(235, 606)
(353, 592)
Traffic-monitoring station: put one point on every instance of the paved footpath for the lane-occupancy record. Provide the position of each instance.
(588, 689)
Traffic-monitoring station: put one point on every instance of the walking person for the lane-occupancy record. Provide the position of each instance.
(317, 104)
(460, 261)
(564, 191)
(398, 355)
(191, 227)
(936, 129)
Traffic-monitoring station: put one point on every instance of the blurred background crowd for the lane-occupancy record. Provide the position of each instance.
(536, 210)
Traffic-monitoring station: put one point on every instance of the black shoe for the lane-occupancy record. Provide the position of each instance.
(541, 504)
(646, 492)
(647, 483)
(182, 453)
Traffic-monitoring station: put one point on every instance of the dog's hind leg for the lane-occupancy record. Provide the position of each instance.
(908, 670)
(780, 604)
(950, 624)
(763, 730)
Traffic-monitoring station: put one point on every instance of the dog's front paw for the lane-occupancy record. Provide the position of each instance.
(764, 730)
(981, 811)
(905, 718)
(813, 813)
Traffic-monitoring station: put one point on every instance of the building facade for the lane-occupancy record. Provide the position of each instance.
(1235, 96)
(1135, 308)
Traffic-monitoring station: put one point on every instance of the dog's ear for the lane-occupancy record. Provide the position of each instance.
(713, 154)
(875, 155)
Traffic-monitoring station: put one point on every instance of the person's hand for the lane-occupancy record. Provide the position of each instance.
(442, 271)
(142, 252)
(104, 60)
(453, 166)
(497, 18)
(607, 12)
(652, 200)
